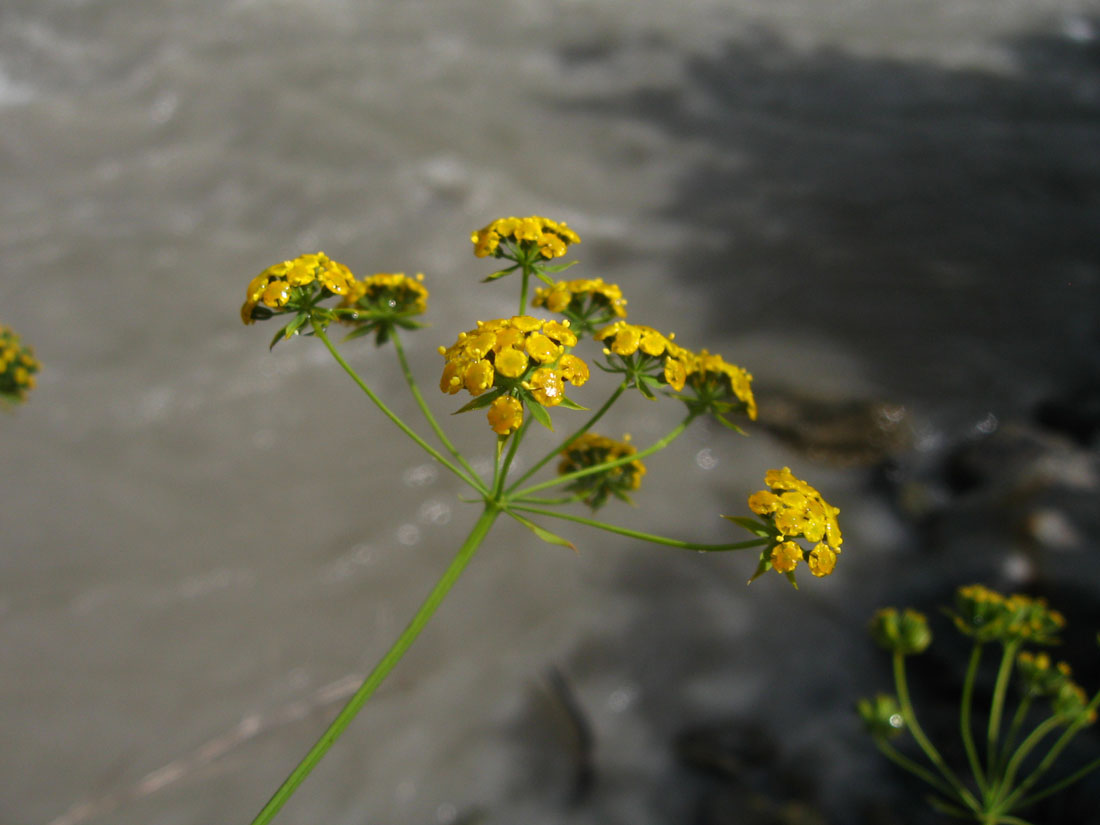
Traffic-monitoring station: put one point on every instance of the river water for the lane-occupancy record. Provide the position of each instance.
(203, 542)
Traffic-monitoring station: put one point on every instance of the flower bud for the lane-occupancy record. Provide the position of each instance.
(905, 633)
(881, 716)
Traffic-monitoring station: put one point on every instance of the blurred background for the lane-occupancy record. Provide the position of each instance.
(886, 211)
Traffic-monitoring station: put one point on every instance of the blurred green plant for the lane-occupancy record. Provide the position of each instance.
(18, 367)
(1003, 773)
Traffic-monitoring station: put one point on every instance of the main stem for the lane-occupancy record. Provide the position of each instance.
(383, 668)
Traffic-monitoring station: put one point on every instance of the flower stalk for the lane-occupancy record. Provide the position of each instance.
(993, 795)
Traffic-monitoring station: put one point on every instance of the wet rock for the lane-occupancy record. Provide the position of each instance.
(744, 781)
(1018, 458)
(846, 433)
(1074, 412)
(1014, 508)
(726, 749)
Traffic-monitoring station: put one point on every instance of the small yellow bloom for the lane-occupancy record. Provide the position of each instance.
(550, 237)
(822, 560)
(560, 332)
(526, 323)
(546, 386)
(675, 373)
(510, 362)
(573, 370)
(450, 382)
(542, 349)
(478, 377)
(786, 556)
(276, 294)
(505, 415)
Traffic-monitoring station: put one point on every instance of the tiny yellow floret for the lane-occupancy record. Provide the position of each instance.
(786, 556)
(505, 415)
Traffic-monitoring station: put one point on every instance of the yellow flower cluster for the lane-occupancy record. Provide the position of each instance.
(392, 292)
(990, 616)
(590, 450)
(522, 356)
(709, 376)
(274, 287)
(551, 238)
(1041, 677)
(797, 509)
(625, 340)
(704, 367)
(17, 366)
(560, 296)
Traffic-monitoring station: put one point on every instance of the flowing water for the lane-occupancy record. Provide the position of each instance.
(203, 542)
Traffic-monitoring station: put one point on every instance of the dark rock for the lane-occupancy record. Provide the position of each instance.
(847, 433)
(1075, 412)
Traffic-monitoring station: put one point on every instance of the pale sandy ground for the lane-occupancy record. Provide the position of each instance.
(883, 199)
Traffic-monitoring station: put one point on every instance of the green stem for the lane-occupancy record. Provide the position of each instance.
(1026, 747)
(638, 534)
(947, 809)
(922, 740)
(596, 416)
(607, 465)
(473, 481)
(1013, 734)
(1008, 658)
(523, 288)
(964, 718)
(551, 501)
(382, 669)
(900, 759)
(1055, 751)
(517, 437)
(432, 422)
(1059, 785)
